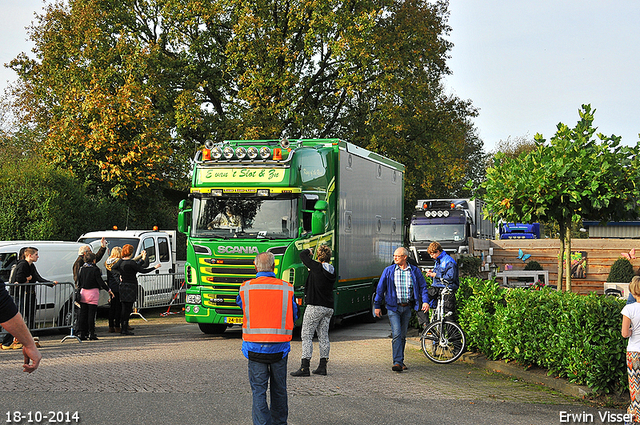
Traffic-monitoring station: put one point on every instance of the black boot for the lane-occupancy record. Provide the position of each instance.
(304, 369)
(322, 367)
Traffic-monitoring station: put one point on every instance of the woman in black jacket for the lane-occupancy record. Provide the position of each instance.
(113, 279)
(318, 293)
(129, 269)
(90, 281)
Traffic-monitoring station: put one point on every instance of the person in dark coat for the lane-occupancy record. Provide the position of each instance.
(26, 275)
(90, 282)
(113, 280)
(11, 320)
(129, 269)
(318, 292)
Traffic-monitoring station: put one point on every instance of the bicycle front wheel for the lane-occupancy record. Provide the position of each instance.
(443, 342)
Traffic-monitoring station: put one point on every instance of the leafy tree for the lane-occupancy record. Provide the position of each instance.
(571, 177)
(39, 202)
(124, 90)
(512, 147)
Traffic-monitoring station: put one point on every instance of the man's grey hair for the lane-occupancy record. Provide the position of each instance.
(403, 250)
(264, 262)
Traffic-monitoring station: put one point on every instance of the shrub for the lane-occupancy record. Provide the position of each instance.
(478, 315)
(573, 336)
(469, 266)
(533, 265)
(621, 271)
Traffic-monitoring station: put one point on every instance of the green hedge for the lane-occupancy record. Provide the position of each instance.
(573, 336)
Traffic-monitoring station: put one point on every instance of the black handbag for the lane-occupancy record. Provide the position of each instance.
(77, 295)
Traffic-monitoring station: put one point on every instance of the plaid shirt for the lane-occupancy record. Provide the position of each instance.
(403, 283)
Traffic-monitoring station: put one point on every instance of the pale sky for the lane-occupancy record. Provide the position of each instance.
(526, 65)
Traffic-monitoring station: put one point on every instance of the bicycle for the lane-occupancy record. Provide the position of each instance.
(443, 341)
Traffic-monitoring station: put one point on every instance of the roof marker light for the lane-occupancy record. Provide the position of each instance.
(277, 154)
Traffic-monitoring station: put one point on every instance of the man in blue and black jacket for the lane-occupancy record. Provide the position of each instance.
(445, 269)
(402, 287)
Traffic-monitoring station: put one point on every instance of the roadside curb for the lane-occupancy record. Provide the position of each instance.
(532, 375)
(537, 376)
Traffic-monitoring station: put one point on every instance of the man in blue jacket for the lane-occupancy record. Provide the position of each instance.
(402, 287)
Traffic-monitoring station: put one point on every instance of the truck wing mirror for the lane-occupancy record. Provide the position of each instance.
(184, 217)
(318, 217)
(321, 206)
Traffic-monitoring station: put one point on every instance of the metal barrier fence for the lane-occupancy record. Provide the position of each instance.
(44, 306)
(160, 290)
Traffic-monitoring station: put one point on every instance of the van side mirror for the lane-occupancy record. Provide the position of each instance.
(318, 217)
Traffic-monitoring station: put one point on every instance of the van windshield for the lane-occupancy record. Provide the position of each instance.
(112, 242)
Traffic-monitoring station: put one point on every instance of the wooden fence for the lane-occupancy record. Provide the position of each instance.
(599, 255)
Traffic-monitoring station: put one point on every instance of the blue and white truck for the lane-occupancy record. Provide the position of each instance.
(451, 222)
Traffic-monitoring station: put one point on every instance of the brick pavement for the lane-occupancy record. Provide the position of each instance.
(167, 355)
(169, 367)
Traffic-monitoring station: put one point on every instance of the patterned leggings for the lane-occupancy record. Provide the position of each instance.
(316, 318)
(633, 370)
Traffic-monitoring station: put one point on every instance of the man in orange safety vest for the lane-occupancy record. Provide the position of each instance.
(269, 310)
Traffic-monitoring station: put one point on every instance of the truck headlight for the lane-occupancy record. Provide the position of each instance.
(194, 299)
(228, 152)
(252, 152)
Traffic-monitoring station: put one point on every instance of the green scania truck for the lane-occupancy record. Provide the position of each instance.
(282, 196)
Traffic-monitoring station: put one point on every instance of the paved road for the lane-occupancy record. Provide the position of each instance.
(171, 373)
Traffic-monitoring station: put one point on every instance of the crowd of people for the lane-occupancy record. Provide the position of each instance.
(121, 285)
(268, 323)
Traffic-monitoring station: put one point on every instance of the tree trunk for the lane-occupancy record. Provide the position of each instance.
(560, 282)
(568, 258)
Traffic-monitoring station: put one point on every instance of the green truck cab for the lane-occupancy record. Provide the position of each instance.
(252, 196)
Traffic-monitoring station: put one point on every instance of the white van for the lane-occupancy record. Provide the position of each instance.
(156, 288)
(55, 263)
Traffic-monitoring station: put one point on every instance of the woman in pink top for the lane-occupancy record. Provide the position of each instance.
(90, 281)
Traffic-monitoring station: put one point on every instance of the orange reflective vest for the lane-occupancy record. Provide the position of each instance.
(268, 315)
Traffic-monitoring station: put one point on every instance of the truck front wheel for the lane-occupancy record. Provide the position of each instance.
(212, 328)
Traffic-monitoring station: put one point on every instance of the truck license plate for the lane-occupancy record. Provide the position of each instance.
(235, 320)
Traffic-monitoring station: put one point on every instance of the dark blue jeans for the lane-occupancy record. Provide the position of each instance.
(259, 376)
(399, 321)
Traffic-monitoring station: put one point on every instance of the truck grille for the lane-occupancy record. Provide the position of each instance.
(224, 276)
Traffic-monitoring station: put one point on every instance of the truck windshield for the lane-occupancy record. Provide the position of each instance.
(245, 218)
(439, 232)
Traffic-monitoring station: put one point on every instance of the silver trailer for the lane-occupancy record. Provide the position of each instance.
(369, 221)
